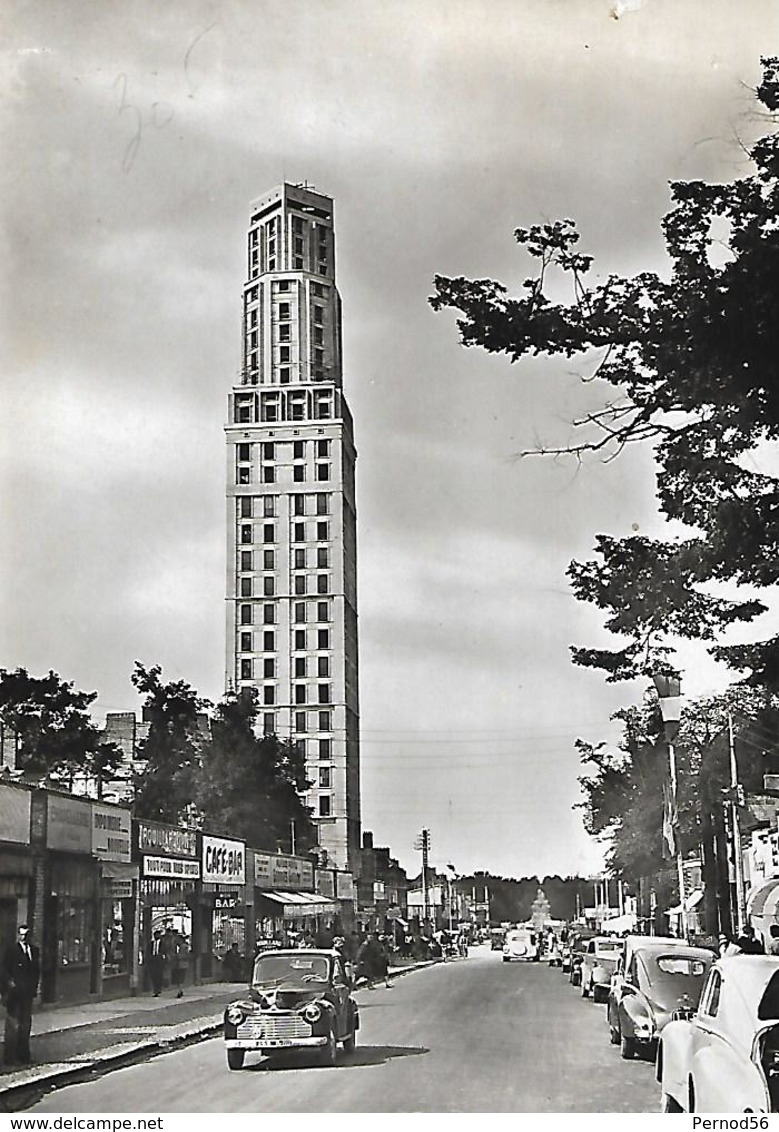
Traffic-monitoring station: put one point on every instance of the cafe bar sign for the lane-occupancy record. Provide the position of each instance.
(224, 860)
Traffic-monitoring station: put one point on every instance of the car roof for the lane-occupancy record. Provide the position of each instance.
(323, 951)
(745, 979)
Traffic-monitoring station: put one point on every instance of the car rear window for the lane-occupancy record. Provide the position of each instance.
(769, 1003)
(682, 965)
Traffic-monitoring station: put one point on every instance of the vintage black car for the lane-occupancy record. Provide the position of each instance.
(297, 1000)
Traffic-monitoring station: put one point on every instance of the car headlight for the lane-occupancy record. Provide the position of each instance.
(235, 1015)
(312, 1012)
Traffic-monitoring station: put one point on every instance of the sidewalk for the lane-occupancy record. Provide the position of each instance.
(72, 1042)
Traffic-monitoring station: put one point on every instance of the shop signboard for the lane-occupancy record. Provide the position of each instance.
(344, 886)
(275, 870)
(325, 884)
(224, 860)
(69, 824)
(15, 815)
(165, 840)
(226, 903)
(110, 832)
(171, 868)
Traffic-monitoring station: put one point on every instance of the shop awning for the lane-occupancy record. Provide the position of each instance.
(119, 870)
(300, 904)
(763, 900)
(694, 899)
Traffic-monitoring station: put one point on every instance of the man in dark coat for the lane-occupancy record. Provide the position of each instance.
(157, 962)
(19, 984)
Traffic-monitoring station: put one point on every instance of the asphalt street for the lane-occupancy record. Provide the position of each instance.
(471, 1035)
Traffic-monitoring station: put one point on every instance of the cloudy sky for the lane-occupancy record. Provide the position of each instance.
(134, 137)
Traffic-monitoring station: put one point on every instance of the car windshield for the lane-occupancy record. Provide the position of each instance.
(678, 974)
(608, 947)
(290, 969)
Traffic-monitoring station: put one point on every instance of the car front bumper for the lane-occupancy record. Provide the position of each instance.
(260, 1044)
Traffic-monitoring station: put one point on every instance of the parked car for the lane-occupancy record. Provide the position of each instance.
(655, 978)
(599, 963)
(579, 943)
(296, 1000)
(520, 943)
(725, 1057)
(497, 939)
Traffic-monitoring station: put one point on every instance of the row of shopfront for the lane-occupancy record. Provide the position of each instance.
(94, 884)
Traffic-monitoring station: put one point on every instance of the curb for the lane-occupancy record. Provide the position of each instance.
(84, 1066)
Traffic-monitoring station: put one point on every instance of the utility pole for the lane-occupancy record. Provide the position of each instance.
(736, 795)
(669, 695)
(423, 843)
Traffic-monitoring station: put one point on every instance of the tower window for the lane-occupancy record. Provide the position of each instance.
(300, 612)
(246, 587)
(323, 639)
(322, 556)
(269, 723)
(300, 559)
(269, 532)
(325, 748)
(323, 471)
(268, 694)
(325, 777)
(245, 507)
(322, 583)
(269, 615)
(268, 560)
(299, 506)
(300, 638)
(246, 533)
(268, 450)
(299, 691)
(269, 667)
(323, 666)
(298, 450)
(246, 615)
(268, 506)
(300, 722)
(246, 670)
(284, 310)
(322, 611)
(246, 642)
(325, 806)
(268, 586)
(299, 532)
(300, 583)
(298, 473)
(243, 475)
(325, 721)
(300, 667)
(246, 560)
(269, 640)
(323, 532)
(268, 473)
(284, 375)
(323, 693)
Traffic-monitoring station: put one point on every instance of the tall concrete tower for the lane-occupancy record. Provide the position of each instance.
(291, 517)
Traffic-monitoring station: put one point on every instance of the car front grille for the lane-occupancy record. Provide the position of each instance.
(274, 1027)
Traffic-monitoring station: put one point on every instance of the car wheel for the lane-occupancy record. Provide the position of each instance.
(235, 1058)
(505, 958)
(350, 1043)
(330, 1051)
(628, 1047)
(669, 1104)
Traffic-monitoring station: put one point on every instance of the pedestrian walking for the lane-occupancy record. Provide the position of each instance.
(19, 979)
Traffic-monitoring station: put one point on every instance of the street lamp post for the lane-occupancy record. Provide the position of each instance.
(669, 695)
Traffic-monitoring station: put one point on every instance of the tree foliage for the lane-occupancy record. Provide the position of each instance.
(170, 754)
(250, 784)
(690, 361)
(56, 738)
